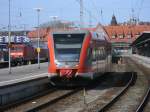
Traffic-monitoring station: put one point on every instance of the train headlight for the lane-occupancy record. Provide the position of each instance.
(57, 62)
(77, 65)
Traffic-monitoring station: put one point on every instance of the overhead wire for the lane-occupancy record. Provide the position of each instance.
(99, 12)
(87, 11)
(137, 7)
(140, 8)
(95, 7)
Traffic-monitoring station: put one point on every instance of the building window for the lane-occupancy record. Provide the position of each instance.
(121, 36)
(129, 36)
(137, 34)
(113, 36)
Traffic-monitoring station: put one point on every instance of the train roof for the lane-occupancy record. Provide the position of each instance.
(100, 36)
(71, 32)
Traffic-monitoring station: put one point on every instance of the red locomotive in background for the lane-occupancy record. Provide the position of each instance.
(74, 55)
(26, 53)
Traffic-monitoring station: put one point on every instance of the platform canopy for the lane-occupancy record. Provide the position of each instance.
(142, 39)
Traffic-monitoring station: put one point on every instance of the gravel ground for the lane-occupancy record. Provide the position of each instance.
(142, 63)
(147, 108)
(76, 103)
(129, 101)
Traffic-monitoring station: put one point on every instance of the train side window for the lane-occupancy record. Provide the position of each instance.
(89, 56)
(94, 54)
(97, 54)
(99, 51)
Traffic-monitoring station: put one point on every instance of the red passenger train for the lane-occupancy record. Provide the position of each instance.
(79, 54)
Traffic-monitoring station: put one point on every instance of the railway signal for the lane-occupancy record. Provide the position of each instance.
(9, 45)
(38, 50)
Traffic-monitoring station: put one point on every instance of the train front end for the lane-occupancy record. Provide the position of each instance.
(17, 54)
(68, 56)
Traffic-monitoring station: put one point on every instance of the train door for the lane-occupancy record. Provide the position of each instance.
(89, 57)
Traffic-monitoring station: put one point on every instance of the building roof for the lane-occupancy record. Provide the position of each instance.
(118, 33)
(125, 33)
(44, 31)
(33, 35)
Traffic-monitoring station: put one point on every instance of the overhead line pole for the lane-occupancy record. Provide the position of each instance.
(38, 11)
(9, 39)
(38, 35)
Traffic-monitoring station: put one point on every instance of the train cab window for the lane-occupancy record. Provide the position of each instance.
(68, 46)
(16, 49)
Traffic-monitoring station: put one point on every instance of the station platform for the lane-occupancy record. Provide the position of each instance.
(145, 61)
(22, 73)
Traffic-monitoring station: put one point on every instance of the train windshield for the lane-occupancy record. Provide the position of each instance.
(68, 46)
(17, 48)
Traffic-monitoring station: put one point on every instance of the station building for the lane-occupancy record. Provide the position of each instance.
(122, 36)
(15, 37)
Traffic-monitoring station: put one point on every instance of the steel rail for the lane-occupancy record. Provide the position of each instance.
(39, 107)
(108, 105)
(144, 101)
(146, 97)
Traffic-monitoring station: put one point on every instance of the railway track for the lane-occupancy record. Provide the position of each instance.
(39, 107)
(40, 101)
(60, 99)
(123, 91)
(80, 101)
(144, 101)
(13, 105)
(122, 102)
(99, 99)
(143, 105)
(128, 102)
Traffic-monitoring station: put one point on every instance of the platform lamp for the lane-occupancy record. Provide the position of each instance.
(38, 34)
(9, 37)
